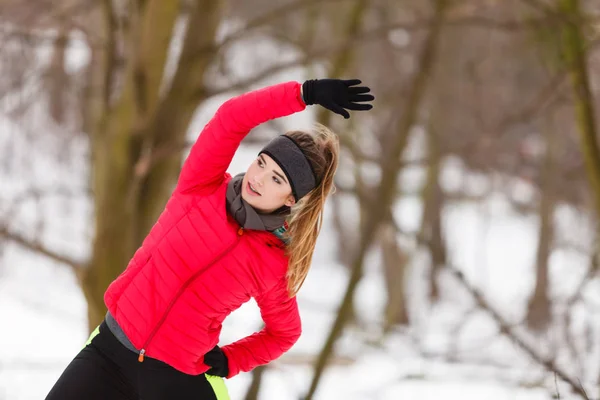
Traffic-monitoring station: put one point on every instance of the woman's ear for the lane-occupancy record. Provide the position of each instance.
(290, 201)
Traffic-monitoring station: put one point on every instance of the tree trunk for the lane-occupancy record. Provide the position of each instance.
(539, 312)
(574, 53)
(341, 63)
(431, 222)
(257, 375)
(394, 267)
(174, 113)
(58, 78)
(129, 199)
(385, 193)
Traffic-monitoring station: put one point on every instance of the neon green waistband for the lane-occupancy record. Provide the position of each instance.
(216, 382)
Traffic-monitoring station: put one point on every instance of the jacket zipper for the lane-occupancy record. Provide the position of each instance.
(240, 232)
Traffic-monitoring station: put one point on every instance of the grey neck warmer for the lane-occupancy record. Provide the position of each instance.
(246, 215)
(296, 167)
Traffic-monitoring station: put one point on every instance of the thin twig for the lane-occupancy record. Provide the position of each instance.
(510, 332)
(584, 392)
(40, 249)
(376, 33)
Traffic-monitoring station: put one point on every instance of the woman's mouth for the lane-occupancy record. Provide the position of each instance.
(250, 189)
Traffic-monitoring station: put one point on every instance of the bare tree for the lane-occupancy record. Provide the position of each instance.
(394, 261)
(433, 202)
(386, 191)
(575, 56)
(539, 310)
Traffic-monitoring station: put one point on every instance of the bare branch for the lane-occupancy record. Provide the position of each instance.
(59, 15)
(506, 328)
(110, 56)
(379, 32)
(591, 273)
(37, 193)
(274, 14)
(540, 6)
(40, 249)
(509, 331)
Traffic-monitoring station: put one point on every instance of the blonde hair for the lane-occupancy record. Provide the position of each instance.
(321, 148)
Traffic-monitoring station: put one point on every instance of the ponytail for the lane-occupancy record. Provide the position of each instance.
(322, 151)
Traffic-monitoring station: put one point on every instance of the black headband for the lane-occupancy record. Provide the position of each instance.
(296, 167)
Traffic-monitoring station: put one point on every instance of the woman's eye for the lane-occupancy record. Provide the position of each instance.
(277, 180)
(260, 163)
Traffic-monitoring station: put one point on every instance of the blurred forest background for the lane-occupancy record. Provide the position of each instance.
(105, 93)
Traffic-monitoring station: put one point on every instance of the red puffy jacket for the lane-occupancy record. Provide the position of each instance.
(197, 265)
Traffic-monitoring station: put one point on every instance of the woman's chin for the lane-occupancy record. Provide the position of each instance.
(250, 200)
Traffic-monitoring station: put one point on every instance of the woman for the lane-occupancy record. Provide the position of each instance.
(219, 242)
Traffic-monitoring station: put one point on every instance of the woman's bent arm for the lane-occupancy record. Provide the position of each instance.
(282, 329)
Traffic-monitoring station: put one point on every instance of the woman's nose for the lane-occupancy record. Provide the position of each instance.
(258, 178)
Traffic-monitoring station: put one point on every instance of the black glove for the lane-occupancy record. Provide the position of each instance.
(217, 360)
(336, 95)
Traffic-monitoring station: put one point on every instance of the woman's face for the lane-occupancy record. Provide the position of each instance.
(265, 186)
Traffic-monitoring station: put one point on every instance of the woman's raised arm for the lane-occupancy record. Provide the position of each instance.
(205, 167)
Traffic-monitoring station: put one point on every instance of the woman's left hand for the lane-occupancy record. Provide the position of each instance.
(338, 95)
(218, 362)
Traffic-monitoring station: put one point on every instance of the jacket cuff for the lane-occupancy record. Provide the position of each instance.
(302, 95)
(233, 368)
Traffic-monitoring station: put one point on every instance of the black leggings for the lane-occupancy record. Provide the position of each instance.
(105, 369)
